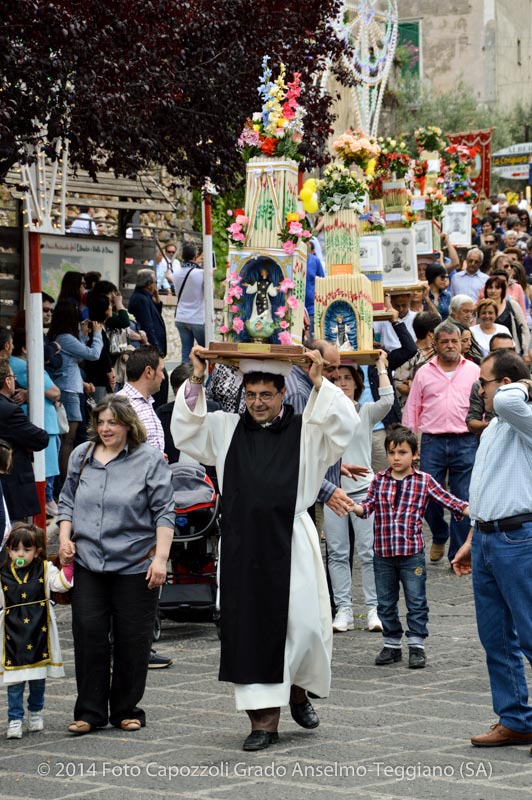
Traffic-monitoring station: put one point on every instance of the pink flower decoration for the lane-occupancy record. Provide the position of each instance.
(242, 220)
(238, 325)
(281, 312)
(234, 228)
(236, 291)
(295, 229)
(289, 248)
(238, 237)
(229, 214)
(284, 324)
(293, 302)
(285, 337)
(223, 328)
(286, 284)
(234, 277)
(306, 234)
(233, 309)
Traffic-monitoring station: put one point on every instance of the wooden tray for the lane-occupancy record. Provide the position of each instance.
(365, 357)
(232, 352)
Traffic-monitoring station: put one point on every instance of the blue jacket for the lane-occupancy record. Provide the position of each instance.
(149, 317)
(68, 377)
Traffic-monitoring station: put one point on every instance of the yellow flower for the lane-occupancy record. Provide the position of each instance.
(292, 216)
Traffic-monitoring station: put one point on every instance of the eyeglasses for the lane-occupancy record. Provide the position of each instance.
(483, 381)
(491, 241)
(10, 376)
(264, 397)
(170, 252)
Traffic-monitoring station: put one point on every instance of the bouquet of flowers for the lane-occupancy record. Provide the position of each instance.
(393, 159)
(340, 189)
(460, 159)
(409, 217)
(430, 138)
(459, 190)
(434, 202)
(276, 130)
(372, 223)
(237, 229)
(295, 228)
(354, 147)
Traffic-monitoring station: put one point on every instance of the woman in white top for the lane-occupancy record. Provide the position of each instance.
(358, 452)
(487, 313)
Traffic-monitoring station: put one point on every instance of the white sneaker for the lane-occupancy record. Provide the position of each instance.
(343, 620)
(374, 623)
(14, 729)
(35, 721)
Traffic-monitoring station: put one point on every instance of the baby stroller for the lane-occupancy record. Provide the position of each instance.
(190, 589)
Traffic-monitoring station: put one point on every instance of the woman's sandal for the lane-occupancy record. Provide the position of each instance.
(130, 725)
(79, 727)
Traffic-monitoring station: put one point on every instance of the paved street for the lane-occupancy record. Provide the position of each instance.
(386, 732)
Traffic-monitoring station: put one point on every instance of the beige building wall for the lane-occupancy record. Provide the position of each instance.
(486, 44)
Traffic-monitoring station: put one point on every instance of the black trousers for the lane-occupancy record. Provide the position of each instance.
(124, 602)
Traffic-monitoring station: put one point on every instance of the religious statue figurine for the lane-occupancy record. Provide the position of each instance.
(263, 289)
(261, 324)
(341, 331)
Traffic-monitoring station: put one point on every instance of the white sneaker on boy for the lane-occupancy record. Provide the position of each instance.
(35, 721)
(14, 729)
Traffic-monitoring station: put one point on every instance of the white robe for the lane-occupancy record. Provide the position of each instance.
(328, 423)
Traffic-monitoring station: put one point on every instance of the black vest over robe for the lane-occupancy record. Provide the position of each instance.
(259, 499)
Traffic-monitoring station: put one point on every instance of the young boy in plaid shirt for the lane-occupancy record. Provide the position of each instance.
(399, 497)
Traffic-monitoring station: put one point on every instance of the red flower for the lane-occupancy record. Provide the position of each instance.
(239, 212)
(268, 146)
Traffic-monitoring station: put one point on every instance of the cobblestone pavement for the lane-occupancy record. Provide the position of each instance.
(386, 732)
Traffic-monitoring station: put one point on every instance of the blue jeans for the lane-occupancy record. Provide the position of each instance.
(410, 571)
(15, 698)
(502, 585)
(187, 333)
(454, 455)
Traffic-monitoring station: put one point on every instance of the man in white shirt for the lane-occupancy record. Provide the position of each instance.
(84, 223)
(470, 280)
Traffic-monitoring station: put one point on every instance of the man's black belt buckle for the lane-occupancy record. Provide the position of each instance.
(506, 524)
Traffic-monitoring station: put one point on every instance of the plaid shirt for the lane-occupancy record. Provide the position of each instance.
(399, 520)
(144, 411)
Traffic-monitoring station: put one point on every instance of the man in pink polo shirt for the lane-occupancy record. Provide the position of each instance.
(437, 406)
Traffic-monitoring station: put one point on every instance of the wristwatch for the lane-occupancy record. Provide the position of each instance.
(196, 379)
(382, 372)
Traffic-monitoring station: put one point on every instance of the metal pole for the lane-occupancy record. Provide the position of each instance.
(208, 267)
(34, 344)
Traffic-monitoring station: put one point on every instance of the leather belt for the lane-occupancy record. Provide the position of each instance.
(506, 524)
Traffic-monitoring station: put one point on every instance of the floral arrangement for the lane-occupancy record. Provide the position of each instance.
(393, 159)
(430, 138)
(460, 159)
(237, 229)
(409, 217)
(372, 223)
(340, 189)
(420, 169)
(434, 202)
(276, 130)
(233, 300)
(295, 228)
(354, 147)
(459, 190)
